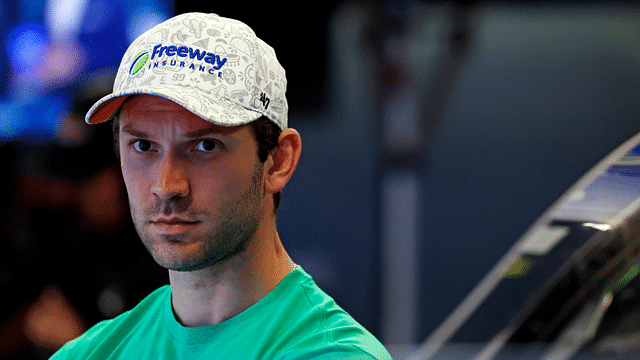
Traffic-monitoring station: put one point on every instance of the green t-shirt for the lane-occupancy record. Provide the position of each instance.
(296, 320)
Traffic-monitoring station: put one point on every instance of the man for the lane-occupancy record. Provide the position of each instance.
(200, 119)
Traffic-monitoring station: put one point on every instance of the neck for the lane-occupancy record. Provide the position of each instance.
(213, 295)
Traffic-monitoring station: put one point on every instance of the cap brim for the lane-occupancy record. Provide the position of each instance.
(206, 105)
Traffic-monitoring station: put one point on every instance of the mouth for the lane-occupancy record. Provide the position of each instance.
(173, 226)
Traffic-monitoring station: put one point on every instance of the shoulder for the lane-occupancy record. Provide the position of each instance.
(110, 332)
(334, 333)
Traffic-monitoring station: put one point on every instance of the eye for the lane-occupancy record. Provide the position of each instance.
(206, 145)
(142, 145)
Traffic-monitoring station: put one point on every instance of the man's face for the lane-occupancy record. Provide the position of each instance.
(195, 189)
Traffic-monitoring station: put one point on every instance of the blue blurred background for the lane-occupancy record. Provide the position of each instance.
(434, 134)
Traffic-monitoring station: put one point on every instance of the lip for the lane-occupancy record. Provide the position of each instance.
(173, 226)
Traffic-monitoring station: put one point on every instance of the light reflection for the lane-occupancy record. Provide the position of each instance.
(64, 17)
(601, 227)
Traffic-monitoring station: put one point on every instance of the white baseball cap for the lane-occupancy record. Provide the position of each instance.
(213, 66)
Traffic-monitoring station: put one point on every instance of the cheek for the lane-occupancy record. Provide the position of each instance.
(222, 185)
(210, 186)
(134, 182)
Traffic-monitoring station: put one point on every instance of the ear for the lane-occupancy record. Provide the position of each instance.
(282, 161)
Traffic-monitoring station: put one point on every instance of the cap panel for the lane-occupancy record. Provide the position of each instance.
(214, 66)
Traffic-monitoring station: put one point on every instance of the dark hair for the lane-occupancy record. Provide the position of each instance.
(265, 131)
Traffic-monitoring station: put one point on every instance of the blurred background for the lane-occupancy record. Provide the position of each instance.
(435, 133)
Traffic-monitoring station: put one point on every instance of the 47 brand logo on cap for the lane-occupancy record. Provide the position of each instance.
(265, 100)
(139, 61)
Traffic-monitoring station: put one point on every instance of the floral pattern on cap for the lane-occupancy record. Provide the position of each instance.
(214, 66)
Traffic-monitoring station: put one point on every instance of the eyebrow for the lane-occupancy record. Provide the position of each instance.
(202, 132)
(131, 131)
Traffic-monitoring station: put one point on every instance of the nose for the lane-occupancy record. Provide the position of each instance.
(171, 181)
